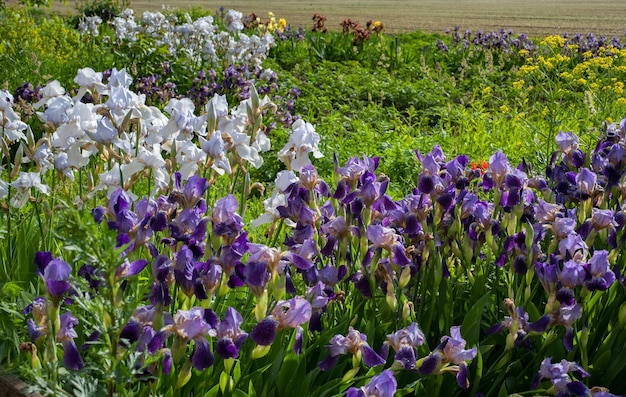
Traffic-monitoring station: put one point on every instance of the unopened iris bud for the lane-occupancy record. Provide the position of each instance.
(350, 375)
(621, 316)
(407, 311)
(179, 348)
(260, 351)
(391, 300)
(261, 306)
(184, 375)
(405, 277)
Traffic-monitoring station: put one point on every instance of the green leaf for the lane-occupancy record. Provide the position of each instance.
(251, 390)
(470, 328)
(213, 391)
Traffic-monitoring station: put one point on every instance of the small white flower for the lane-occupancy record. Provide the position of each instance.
(51, 90)
(6, 100)
(302, 141)
(22, 185)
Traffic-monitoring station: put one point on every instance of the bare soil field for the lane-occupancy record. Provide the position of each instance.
(533, 17)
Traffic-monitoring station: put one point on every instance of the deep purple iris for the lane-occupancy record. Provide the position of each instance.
(55, 273)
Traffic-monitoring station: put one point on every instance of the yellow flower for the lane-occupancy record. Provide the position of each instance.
(486, 90)
(621, 101)
(504, 109)
(518, 85)
(554, 41)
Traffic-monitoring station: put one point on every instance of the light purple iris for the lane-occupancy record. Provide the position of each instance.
(387, 239)
(547, 212)
(404, 343)
(572, 274)
(355, 167)
(558, 374)
(66, 335)
(226, 221)
(188, 325)
(291, 313)
(381, 385)
(354, 343)
(498, 168)
(602, 219)
(586, 181)
(567, 141)
(567, 315)
(451, 350)
(562, 227)
(600, 276)
(573, 247)
(230, 336)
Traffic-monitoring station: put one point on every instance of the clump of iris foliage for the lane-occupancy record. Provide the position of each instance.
(212, 204)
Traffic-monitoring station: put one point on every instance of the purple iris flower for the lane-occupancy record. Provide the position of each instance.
(567, 142)
(546, 213)
(354, 343)
(309, 177)
(38, 325)
(188, 325)
(66, 335)
(119, 208)
(519, 325)
(387, 239)
(573, 247)
(599, 275)
(567, 315)
(128, 269)
(562, 227)
(334, 230)
(404, 343)
(381, 385)
(499, 168)
(355, 167)
(572, 274)
(226, 222)
(451, 350)
(189, 227)
(586, 182)
(184, 270)
(559, 375)
(55, 273)
(288, 314)
(230, 336)
(209, 275)
(603, 219)
(194, 190)
(482, 214)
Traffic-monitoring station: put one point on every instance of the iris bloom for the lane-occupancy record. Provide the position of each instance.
(66, 335)
(355, 343)
(599, 275)
(382, 385)
(451, 350)
(558, 374)
(302, 141)
(405, 342)
(55, 273)
(23, 185)
(230, 336)
(188, 325)
(386, 238)
(287, 314)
